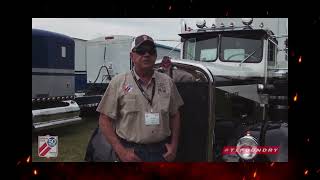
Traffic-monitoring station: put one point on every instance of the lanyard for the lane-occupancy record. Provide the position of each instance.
(142, 91)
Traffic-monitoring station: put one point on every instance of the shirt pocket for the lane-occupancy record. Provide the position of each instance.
(164, 103)
(129, 103)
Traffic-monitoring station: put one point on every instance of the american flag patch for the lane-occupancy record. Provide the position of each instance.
(127, 88)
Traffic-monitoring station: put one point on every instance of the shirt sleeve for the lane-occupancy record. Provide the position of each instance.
(175, 99)
(109, 101)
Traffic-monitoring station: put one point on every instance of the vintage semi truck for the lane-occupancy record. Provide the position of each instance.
(248, 96)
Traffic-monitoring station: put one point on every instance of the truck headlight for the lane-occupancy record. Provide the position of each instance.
(244, 146)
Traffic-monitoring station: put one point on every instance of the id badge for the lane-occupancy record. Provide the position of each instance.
(151, 119)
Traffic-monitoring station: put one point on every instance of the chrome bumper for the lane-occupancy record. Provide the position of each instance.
(58, 116)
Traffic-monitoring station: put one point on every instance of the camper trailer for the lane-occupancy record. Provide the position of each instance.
(53, 80)
(100, 59)
(107, 57)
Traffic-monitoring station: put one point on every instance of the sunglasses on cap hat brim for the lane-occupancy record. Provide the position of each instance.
(141, 50)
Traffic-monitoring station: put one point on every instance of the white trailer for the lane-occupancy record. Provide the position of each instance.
(111, 54)
(107, 56)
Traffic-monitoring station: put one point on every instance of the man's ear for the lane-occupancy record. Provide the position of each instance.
(131, 60)
(131, 56)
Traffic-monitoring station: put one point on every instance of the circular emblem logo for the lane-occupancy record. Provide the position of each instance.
(52, 142)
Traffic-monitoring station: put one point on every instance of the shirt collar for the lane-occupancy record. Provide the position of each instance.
(140, 80)
(138, 77)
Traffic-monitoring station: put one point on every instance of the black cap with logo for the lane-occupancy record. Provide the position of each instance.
(141, 40)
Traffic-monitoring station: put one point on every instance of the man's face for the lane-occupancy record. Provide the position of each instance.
(144, 56)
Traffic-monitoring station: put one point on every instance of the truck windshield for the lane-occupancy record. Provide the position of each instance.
(241, 48)
(201, 48)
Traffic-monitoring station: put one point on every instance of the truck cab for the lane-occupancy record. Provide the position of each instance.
(250, 82)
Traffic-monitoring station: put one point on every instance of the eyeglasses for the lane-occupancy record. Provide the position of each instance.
(144, 49)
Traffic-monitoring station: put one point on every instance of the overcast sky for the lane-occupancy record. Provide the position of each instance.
(85, 28)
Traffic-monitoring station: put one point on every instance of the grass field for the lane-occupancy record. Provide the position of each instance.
(72, 141)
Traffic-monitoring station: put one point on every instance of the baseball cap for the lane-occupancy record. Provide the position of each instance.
(140, 40)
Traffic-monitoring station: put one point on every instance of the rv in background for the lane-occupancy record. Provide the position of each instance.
(100, 59)
(53, 80)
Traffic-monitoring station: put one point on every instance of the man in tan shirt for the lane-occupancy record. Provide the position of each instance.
(139, 112)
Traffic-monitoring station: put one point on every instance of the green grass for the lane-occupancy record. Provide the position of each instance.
(72, 141)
